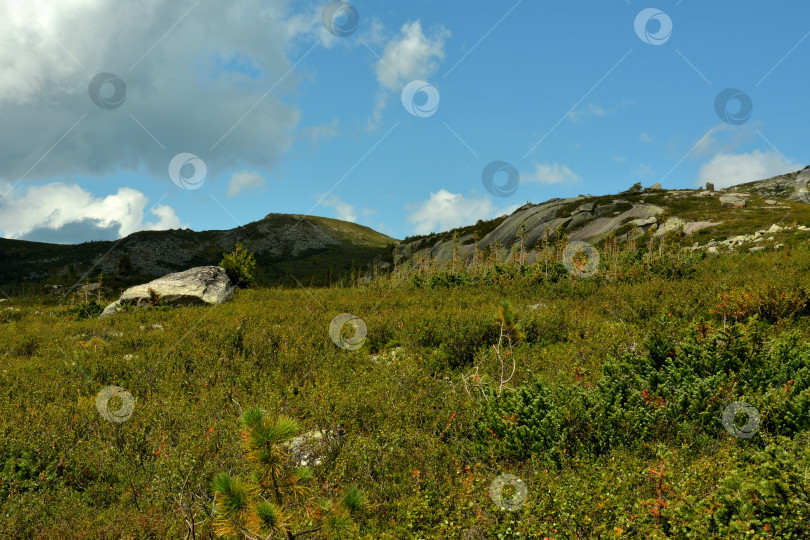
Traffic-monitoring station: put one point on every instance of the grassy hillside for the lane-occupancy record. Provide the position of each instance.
(613, 420)
(288, 247)
(628, 215)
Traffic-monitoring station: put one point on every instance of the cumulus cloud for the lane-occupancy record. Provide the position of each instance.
(66, 213)
(411, 55)
(244, 180)
(550, 174)
(191, 71)
(726, 170)
(443, 211)
(345, 211)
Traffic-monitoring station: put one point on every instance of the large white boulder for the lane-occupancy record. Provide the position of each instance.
(196, 286)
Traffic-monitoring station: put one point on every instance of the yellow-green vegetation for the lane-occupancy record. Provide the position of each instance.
(607, 396)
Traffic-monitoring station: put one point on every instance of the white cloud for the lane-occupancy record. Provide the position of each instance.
(244, 180)
(168, 219)
(645, 138)
(443, 211)
(596, 110)
(55, 206)
(172, 82)
(643, 171)
(345, 211)
(551, 174)
(730, 169)
(724, 138)
(593, 110)
(411, 55)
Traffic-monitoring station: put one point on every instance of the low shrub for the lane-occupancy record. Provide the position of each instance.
(240, 265)
(670, 393)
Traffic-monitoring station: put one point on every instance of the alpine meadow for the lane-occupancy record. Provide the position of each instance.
(429, 270)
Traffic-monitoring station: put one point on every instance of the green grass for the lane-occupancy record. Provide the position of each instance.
(413, 439)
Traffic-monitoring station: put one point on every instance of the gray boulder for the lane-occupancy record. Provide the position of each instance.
(311, 447)
(670, 225)
(644, 222)
(732, 201)
(197, 286)
(585, 207)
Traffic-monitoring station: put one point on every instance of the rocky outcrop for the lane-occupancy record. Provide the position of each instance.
(763, 236)
(732, 201)
(694, 226)
(792, 186)
(601, 227)
(197, 286)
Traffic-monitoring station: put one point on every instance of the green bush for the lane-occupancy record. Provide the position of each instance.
(667, 394)
(525, 421)
(762, 494)
(240, 265)
(86, 310)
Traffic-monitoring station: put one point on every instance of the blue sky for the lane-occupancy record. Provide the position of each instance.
(578, 97)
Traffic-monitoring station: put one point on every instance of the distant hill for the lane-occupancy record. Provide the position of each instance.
(315, 250)
(630, 214)
(309, 248)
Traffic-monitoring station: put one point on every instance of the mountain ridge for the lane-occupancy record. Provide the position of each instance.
(304, 246)
(701, 213)
(294, 248)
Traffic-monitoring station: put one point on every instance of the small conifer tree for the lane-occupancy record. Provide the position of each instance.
(275, 502)
(240, 265)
